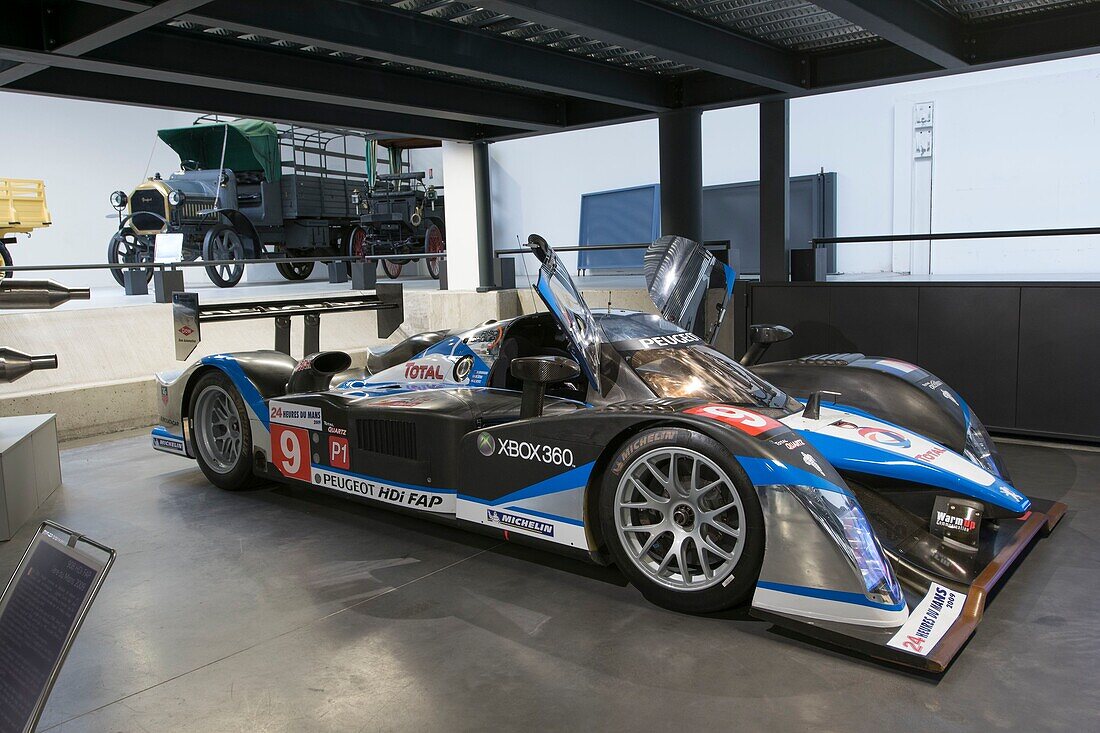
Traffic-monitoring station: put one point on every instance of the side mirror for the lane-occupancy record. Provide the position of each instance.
(761, 336)
(536, 372)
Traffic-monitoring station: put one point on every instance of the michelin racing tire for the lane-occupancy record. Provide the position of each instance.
(704, 514)
(221, 433)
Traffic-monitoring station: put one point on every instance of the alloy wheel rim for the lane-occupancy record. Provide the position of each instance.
(680, 519)
(218, 424)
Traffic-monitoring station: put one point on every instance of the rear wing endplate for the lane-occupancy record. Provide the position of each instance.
(188, 316)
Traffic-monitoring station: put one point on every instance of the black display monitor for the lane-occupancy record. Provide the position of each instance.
(41, 611)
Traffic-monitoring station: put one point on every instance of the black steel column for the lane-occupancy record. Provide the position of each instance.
(775, 190)
(681, 156)
(484, 204)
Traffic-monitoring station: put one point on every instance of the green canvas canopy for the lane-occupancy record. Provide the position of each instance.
(250, 145)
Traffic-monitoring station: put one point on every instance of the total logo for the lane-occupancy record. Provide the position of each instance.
(882, 436)
(931, 455)
(423, 371)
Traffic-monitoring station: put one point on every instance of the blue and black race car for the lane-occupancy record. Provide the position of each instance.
(853, 499)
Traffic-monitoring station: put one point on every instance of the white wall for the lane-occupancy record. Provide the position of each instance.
(1014, 148)
(83, 151)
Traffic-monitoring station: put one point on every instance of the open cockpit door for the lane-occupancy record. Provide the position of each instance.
(564, 300)
(677, 274)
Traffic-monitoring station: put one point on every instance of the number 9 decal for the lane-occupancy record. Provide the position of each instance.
(744, 420)
(289, 451)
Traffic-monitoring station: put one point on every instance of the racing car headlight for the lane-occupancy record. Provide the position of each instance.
(119, 199)
(979, 446)
(175, 198)
(841, 516)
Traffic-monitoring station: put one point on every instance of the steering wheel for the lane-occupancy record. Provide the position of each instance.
(189, 165)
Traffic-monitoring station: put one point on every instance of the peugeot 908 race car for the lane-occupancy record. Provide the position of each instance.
(853, 499)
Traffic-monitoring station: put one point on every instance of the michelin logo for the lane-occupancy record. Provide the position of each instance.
(170, 445)
(517, 522)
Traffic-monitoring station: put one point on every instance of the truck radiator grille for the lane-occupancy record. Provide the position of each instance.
(391, 437)
(144, 203)
(190, 210)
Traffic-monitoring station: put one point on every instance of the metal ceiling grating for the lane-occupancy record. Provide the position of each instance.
(280, 43)
(475, 17)
(976, 11)
(791, 24)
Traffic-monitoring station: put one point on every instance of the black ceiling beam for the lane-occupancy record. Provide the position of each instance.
(665, 33)
(1038, 37)
(126, 26)
(188, 58)
(72, 29)
(914, 25)
(74, 84)
(410, 38)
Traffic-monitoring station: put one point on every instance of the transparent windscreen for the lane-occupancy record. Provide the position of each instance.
(677, 272)
(703, 373)
(561, 295)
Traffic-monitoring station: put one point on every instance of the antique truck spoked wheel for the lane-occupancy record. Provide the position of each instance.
(433, 242)
(392, 268)
(295, 270)
(126, 248)
(358, 246)
(223, 243)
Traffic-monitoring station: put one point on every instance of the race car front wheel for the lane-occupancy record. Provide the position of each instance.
(221, 432)
(682, 520)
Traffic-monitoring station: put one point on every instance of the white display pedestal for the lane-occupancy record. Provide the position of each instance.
(30, 468)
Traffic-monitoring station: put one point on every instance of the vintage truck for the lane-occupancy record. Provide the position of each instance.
(22, 210)
(246, 189)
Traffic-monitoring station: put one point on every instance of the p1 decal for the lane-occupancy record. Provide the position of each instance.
(929, 621)
(338, 456)
(748, 422)
(299, 416)
(290, 451)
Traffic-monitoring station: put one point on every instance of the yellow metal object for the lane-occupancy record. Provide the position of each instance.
(155, 185)
(22, 206)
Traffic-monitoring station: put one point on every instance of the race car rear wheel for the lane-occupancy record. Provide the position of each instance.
(682, 520)
(221, 433)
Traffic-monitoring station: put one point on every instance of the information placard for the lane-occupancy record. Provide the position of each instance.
(40, 613)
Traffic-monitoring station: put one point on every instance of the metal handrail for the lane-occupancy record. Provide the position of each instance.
(597, 248)
(214, 263)
(941, 236)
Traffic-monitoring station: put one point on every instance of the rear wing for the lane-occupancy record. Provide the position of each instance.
(188, 316)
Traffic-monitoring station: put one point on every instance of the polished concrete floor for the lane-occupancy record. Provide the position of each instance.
(277, 610)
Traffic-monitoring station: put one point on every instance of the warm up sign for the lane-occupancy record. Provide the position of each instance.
(297, 440)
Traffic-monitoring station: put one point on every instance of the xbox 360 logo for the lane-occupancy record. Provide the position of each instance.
(486, 444)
